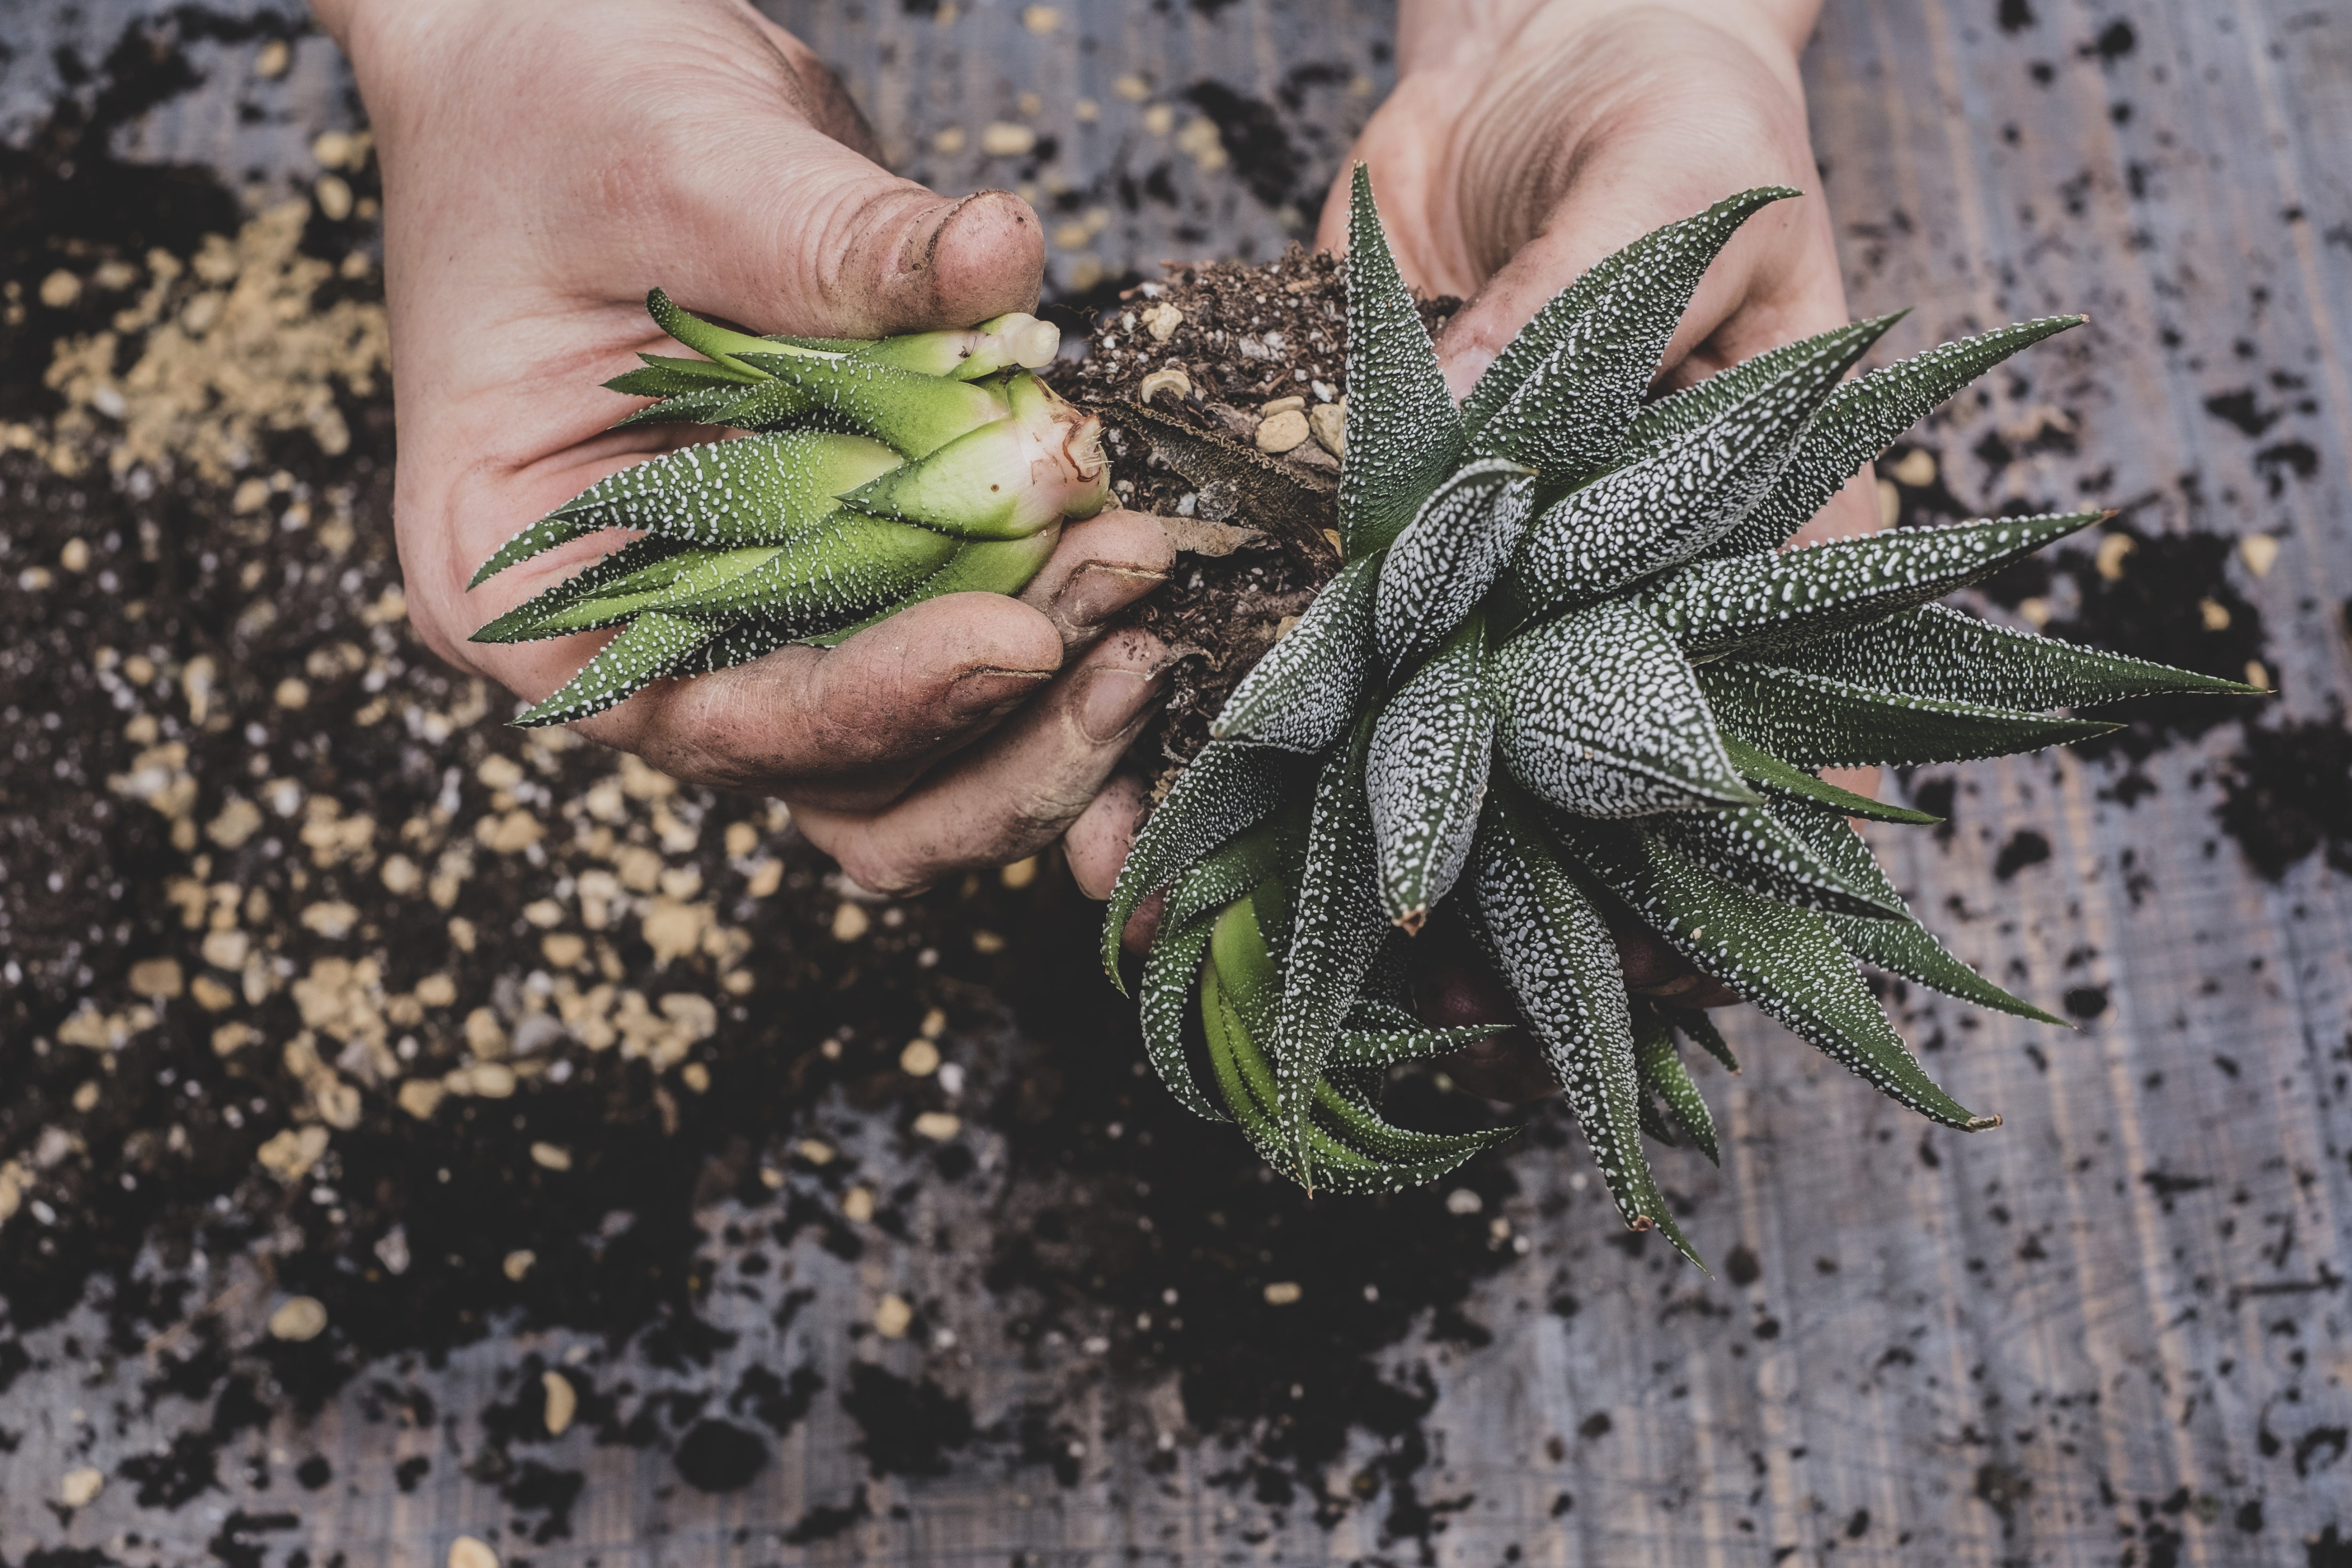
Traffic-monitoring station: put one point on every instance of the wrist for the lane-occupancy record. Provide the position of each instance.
(1436, 33)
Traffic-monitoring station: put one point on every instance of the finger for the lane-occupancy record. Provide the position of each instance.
(1097, 842)
(800, 234)
(1650, 126)
(1016, 792)
(1101, 567)
(849, 725)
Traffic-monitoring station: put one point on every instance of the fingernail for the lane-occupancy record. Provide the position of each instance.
(1098, 590)
(1113, 699)
(980, 694)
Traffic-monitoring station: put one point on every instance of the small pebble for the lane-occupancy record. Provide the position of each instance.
(301, 1318)
(550, 1157)
(815, 1152)
(1170, 380)
(920, 1060)
(891, 1316)
(275, 57)
(2113, 551)
(60, 289)
(1019, 874)
(850, 921)
(1282, 1293)
(1328, 421)
(1282, 432)
(857, 1204)
(82, 1487)
(563, 1401)
(1005, 139)
(1273, 407)
(1917, 469)
(937, 1126)
(2260, 550)
(518, 1263)
(467, 1551)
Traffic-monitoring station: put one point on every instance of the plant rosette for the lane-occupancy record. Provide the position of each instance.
(1561, 670)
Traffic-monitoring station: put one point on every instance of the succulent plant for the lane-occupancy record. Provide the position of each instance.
(1566, 674)
(876, 473)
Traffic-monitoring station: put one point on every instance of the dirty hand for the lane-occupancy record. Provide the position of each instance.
(1526, 140)
(543, 166)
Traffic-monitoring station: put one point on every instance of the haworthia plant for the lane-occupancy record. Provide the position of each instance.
(879, 474)
(1567, 670)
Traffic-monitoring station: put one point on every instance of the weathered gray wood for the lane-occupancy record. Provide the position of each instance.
(2016, 1350)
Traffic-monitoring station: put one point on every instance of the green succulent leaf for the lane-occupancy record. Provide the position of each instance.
(1863, 418)
(1561, 395)
(1693, 1025)
(679, 378)
(1301, 696)
(720, 343)
(977, 566)
(1752, 847)
(1450, 555)
(1664, 1074)
(1336, 929)
(537, 539)
(1352, 1120)
(1225, 789)
(733, 643)
(707, 406)
(1901, 946)
(553, 610)
(1701, 459)
(1768, 773)
(839, 569)
(1813, 721)
(722, 495)
(991, 483)
(1425, 776)
(1556, 955)
(1167, 996)
(1380, 1049)
(1753, 603)
(1227, 872)
(1013, 342)
(651, 647)
(1403, 431)
(915, 414)
(1600, 714)
(1785, 960)
(1783, 388)
(1936, 650)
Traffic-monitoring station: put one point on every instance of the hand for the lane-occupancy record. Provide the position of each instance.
(543, 166)
(1529, 138)
(1526, 140)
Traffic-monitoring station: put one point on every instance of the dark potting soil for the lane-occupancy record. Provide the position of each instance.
(1221, 349)
(323, 983)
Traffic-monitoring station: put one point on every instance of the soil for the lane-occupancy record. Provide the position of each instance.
(1259, 528)
(329, 994)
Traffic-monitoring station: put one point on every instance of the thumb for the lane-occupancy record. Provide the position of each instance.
(797, 233)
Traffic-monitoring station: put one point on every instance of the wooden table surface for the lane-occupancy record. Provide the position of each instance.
(2114, 1331)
